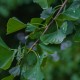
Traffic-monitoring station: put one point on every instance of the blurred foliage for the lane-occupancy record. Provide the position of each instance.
(7, 5)
(57, 54)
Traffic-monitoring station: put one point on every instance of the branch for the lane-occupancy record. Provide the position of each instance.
(62, 6)
(58, 13)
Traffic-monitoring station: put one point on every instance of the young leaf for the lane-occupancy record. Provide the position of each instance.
(14, 25)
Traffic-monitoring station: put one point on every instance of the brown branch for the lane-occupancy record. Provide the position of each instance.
(58, 13)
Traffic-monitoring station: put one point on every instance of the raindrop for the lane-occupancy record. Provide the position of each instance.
(63, 28)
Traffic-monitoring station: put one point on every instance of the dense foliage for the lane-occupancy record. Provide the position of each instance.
(48, 46)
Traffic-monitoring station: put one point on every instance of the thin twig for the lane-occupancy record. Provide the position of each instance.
(58, 13)
(33, 45)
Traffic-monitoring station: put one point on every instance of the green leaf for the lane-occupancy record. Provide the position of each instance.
(6, 56)
(2, 43)
(31, 59)
(15, 71)
(47, 69)
(36, 21)
(74, 10)
(67, 27)
(8, 78)
(31, 67)
(35, 35)
(42, 3)
(35, 73)
(70, 28)
(46, 50)
(14, 25)
(63, 28)
(71, 14)
(34, 24)
(53, 38)
(47, 13)
(50, 2)
(76, 37)
(31, 27)
(61, 18)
